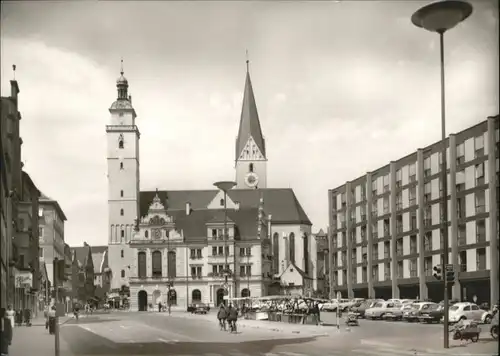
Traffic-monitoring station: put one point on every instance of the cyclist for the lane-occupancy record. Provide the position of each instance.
(232, 317)
(222, 315)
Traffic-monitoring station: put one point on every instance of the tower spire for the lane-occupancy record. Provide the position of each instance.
(249, 121)
(247, 61)
(122, 84)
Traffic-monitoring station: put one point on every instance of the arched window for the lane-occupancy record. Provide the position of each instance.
(121, 212)
(122, 233)
(120, 141)
(276, 252)
(121, 165)
(171, 263)
(146, 234)
(292, 247)
(123, 273)
(156, 264)
(141, 264)
(222, 202)
(196, 296)
(306, 253)
(121, 194)
(250, 167)
(122, 253)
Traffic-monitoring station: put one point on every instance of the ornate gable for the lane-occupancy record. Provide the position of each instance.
(157, 224)
(251, 152)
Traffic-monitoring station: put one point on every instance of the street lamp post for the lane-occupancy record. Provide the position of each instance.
(440, 17)
(225, 186)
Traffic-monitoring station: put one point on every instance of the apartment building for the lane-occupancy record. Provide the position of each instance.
(386, 227)
(51, 232)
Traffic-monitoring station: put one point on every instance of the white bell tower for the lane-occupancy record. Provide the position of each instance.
(123, 183)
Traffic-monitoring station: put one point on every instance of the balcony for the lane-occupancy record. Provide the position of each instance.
(156, 279)
(196, 277)
(196, 257)
(219, 257)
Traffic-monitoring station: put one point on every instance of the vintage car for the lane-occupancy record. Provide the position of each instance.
(198, 308)
(465, 311)
(487, 316)
(415, 310)
(432, 314)
(380, 309)
(360, 310)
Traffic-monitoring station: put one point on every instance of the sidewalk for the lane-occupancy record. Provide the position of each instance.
(315, 330)
(40, 320)
(36, 340)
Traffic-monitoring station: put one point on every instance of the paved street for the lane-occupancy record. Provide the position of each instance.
(185, 334)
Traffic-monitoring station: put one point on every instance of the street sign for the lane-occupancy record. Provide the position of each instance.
(449, 268)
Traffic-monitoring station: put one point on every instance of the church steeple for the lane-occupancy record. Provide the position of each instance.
(122, 85)
(251, 160)
(249, 120)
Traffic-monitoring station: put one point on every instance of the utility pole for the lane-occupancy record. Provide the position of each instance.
(56, 298)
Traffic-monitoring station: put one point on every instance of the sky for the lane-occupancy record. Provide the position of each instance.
(342, 88)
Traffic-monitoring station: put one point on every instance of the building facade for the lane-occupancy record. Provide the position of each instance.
(19, 268)
(386, 226)
(51, 232)
(162, 237)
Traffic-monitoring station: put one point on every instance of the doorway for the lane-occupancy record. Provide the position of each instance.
(220, 297)
(142, 296)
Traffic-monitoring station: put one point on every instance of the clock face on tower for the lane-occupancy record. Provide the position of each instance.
(251, 180)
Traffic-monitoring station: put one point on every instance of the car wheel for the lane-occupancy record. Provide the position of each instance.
(381, 317)
(462, 318)
(487, 320)
(474, 338)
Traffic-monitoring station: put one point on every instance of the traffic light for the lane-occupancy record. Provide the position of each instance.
(450, 277)
(438, 272)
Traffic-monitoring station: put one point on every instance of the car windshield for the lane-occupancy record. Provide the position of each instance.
(378, 305)
(414, 306)
(453, 308)
(434, 307)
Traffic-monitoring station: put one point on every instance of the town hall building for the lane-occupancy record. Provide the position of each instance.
(168, 246)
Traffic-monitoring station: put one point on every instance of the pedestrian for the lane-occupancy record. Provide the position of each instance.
(52, 320)
(5, 333)
(222, 315)
(11, 315)
(232, 316)
(159, 306)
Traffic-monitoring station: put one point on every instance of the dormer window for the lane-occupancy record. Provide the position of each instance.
(120, 141)
(250, 167)
(222, 202)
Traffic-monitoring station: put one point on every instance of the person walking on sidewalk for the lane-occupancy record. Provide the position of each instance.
(5, 333)
(11, 315)
(222, 315)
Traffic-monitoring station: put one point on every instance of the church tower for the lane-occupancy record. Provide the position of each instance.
(123, 182)
(251, 160)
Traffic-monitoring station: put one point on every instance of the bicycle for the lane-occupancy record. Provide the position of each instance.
(232, 326)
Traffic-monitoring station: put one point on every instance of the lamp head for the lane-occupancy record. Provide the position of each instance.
(442, 16)
(225, 186)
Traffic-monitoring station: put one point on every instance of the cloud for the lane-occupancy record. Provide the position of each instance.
(336, 97)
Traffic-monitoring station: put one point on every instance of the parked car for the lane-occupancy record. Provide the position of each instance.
(487, 317)
(380, 309)
(344, 304)
(415, 310)
(360, 310)
(432, 314)
(465, 311)
(396, 313)
(330, 306)
(199, 308)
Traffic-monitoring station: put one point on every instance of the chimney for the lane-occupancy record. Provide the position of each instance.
(236, 205)
(188, 208)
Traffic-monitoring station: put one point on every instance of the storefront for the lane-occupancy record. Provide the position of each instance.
(23, 282)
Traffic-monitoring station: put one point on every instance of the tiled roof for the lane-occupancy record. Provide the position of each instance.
(194, 225)
(249, 122)
(282, 204)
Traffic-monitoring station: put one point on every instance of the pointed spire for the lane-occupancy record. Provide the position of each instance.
(248, 62)
(249, 121)
(122, 84)
(14, 71)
